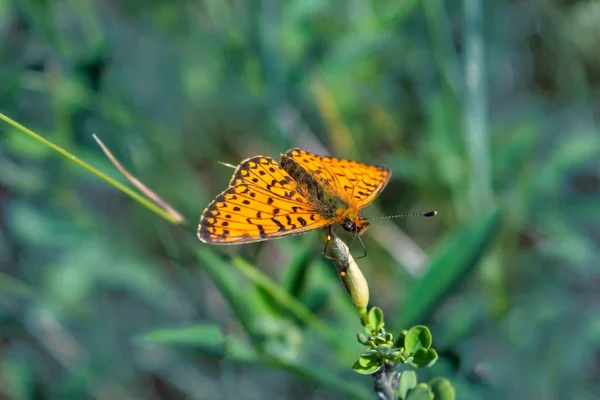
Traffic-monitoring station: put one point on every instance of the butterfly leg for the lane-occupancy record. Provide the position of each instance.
(329, 238)
(329, 234)
(363, 247)
(339, 263)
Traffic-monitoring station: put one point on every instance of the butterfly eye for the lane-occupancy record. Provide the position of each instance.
(349, 226)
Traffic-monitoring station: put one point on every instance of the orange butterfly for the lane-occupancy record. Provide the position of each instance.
(304, 192)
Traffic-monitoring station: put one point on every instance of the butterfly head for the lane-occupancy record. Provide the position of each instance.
(355, 225)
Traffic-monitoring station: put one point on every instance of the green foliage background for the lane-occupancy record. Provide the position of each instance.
(485, 111)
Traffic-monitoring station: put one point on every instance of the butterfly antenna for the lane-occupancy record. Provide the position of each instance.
(425, 214)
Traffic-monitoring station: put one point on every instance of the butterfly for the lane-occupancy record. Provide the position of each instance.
(303, 192)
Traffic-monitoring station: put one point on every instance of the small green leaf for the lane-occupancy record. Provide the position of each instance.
(369, 352)
(424, 358)
(366, 370)
(442, 389)
(408, 381)
(379, 340)
(361, 338)
(418, 337)
(420, 392)
(367, 359)
(401, 338)
(376, 319)
(384, 349)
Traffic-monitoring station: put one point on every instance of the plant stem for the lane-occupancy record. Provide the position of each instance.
(386, 382)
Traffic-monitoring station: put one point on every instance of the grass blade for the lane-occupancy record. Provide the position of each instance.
(135, 196)
(205, 337)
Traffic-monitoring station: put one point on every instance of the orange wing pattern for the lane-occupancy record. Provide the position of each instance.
(262, 202)
(354, 182)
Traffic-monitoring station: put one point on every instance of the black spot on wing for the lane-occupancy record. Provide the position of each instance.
(261, 230)
(279, 224)
(289, 221)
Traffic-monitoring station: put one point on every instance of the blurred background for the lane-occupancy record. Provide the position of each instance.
(484, 111)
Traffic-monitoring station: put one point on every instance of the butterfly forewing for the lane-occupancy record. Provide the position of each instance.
(353, 181)
(262, 202)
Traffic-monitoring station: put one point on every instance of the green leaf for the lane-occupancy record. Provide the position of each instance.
(401, 337)
(385, 351)
(408, 381)
(379, 340)
(420, 392)
(376, 319)
(442, 389)
(367, 369)
(369, 358)
(456, 257)
(362, 339)
(204, 337)
(417, 338)
(369, 352)
(424, 358)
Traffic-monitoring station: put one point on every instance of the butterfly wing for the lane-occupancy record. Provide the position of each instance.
(262, 202)
(353, 181)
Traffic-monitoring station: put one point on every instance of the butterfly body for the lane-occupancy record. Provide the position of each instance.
(303, 192)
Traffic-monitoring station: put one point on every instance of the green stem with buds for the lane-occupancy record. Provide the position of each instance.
(384, 353)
